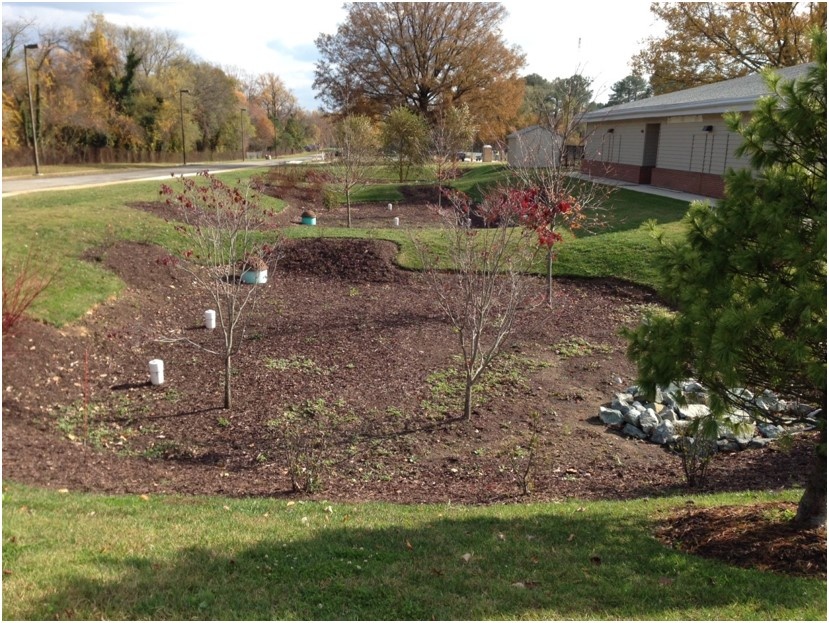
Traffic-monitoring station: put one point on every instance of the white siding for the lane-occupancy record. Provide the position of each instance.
(533, 148)
(686, 146)
(624, 145)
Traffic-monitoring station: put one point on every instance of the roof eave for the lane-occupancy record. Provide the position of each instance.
(743, 104)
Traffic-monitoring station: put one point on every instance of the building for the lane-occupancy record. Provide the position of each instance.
(678, 140)
(534, 146)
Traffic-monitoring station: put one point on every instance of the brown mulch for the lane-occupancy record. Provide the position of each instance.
(341, 329)
(759, 536)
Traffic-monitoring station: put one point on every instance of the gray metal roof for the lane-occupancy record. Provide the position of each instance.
(739, 94)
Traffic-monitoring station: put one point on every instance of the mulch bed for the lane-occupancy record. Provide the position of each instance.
(340, 331)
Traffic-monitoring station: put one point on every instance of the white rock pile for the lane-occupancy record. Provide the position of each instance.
(664, 420)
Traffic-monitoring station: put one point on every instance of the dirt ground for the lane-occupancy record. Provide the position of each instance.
(346, 342)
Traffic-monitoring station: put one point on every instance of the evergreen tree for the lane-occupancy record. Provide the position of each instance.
(749, 279)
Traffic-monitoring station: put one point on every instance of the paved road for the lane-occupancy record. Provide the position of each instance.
(59, 182)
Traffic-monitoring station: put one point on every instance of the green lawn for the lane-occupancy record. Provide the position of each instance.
(71, 555)
(81, 556)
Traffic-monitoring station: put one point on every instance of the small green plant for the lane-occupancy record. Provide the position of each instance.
(223, 422)
(296, 362)
(579, 347)
(354, 291)
(697, 446)
(172, 395)
(524, 457)
(305, 434)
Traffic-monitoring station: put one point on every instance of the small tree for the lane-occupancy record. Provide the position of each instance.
(487, 292)
(749, 279)
(451, 132)
(221, 225)
(357, 141)
(405, 135)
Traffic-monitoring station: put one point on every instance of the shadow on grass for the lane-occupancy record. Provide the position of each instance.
(571, 565)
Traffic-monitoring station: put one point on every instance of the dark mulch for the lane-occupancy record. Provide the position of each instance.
(760, 536)
(340, 329)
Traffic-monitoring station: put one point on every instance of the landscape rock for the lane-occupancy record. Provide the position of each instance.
(663, 433)
(611, 417)
(678, 405)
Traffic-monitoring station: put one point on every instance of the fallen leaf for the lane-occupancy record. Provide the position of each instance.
(466, 557)
(665, 581)
(580, 509)
(408, 545)
(227, 508)
(518, 585)
(290, 503)
(596, 560)
(501, 536)
(329, 509)
(571, 537)
(305, 520)
(144, 497)
(63, 490)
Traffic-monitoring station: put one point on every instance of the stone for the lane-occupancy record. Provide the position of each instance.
(634, 431)
(770, 431)
(727, 445)
(758, 442)
(663, 433)
(648, 421)
(611, 417)
(631, 416)
(694, 411)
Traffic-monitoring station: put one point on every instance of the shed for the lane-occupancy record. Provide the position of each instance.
(535, 146)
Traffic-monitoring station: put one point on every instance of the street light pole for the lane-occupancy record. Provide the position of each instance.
(181, 113)
(242, 112)
(31, 46)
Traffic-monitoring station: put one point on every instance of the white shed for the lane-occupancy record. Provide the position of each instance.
(534, 146)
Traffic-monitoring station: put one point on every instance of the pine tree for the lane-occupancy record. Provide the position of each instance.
(749, 279)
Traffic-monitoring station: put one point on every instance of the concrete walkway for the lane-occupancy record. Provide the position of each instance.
(650, 190)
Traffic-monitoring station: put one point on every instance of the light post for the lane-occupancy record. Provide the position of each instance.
(31, 46)
(181, 113)
(242, 112)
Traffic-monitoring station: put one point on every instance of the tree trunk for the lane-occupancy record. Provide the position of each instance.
(467, 401)
(811, 511)
(227, 382)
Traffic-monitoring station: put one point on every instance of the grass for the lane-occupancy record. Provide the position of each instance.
(81, 556)
(61, 226)
(68, 555)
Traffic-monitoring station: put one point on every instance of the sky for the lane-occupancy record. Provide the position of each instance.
(594, 39)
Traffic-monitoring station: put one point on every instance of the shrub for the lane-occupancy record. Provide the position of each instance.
(23, 281)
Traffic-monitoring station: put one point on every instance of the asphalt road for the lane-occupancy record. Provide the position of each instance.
(39, 183)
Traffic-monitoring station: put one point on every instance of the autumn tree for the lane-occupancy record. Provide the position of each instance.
(357, 146)
(422, 55)
(748, 281)
(222, 222)
(279, 102)
(404, 136)
(707, 42)
(629, 89)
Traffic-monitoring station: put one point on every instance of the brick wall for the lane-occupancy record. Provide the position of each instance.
(624, 172)
(706, 184)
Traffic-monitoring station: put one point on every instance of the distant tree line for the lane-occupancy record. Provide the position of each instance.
(103, 91)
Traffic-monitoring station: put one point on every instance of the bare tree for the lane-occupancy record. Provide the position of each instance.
(221, 224)
(357, 143)
(487, 294)
(451, 132)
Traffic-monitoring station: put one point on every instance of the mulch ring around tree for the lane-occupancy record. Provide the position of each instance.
(758, 536)
(341, 333)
